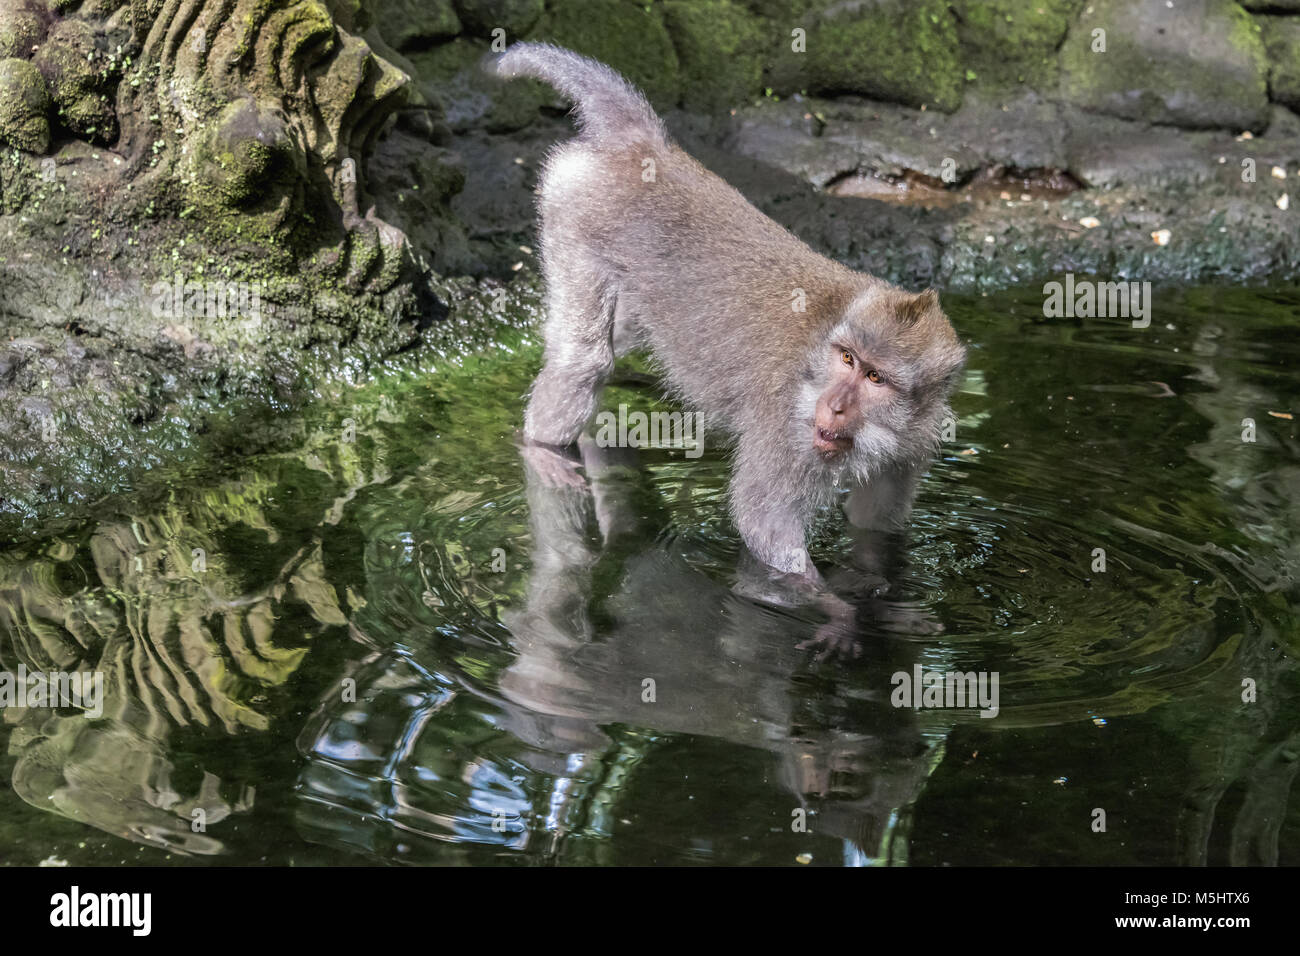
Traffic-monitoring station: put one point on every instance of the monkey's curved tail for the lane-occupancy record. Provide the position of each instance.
(611, 111)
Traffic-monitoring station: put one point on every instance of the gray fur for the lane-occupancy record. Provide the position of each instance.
(609, 108)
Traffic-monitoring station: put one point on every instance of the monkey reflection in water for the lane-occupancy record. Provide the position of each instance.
(609, 611)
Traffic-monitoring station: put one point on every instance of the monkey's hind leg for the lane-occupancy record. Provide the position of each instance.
(578, 358)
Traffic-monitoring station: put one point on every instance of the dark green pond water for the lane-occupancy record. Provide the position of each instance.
(381, 645)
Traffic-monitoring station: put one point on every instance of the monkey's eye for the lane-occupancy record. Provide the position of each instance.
(875, 378)
(846, 356)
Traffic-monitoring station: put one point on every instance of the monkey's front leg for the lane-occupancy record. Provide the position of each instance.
(772, 521)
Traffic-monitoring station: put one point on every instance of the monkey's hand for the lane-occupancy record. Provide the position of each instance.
(551, 465)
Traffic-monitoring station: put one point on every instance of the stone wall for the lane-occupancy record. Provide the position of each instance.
(1196, 64)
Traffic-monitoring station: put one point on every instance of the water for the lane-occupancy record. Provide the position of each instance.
(381, 645)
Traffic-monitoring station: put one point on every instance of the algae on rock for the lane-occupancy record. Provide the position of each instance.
(24, 106)
(896, 50)
(1281, 37)
(629, 37)
(1197, 64)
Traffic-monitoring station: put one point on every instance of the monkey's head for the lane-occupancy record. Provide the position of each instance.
(876, 388)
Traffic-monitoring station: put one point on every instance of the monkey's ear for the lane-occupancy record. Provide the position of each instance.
(913, 310)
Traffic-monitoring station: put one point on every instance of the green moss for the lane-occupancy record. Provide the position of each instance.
(351, 15)
(407, 23)
(313, 28)
(627, 35)
(335, 90)
(81, 79)
(1281, 37)
(384, 80)
(442, 64)
(24, 106)
(516, 17)
(719, 47)
(244, 175)
(902, 51)
(251, 26)
(1007, 42)
(779, 11)
(20, 30)
(92, 115)
(1198, 65)
(1244, 34)
(452, 78)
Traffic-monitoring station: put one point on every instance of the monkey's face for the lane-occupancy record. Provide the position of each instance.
(853, 386)
(883, 377)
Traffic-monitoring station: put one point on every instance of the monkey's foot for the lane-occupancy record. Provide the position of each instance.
(551, 465)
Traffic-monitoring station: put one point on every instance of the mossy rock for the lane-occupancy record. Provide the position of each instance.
(720, 50)
(516, 17)
(24, 106)
(629, 36)
(443, 63)
(92, 116)
(80, 79)
(453, 77)
(901, 51)
(1281, 37)
(20, 30)
(780, 12)
(246, 173)
(244, 152)
(1010, 42)
(1199, 64)
(414, 23)
(351, 15)
(67, 60)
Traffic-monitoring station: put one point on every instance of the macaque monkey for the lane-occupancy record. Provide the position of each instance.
(823, 377)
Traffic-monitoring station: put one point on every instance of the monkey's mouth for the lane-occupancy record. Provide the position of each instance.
(830, 442)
